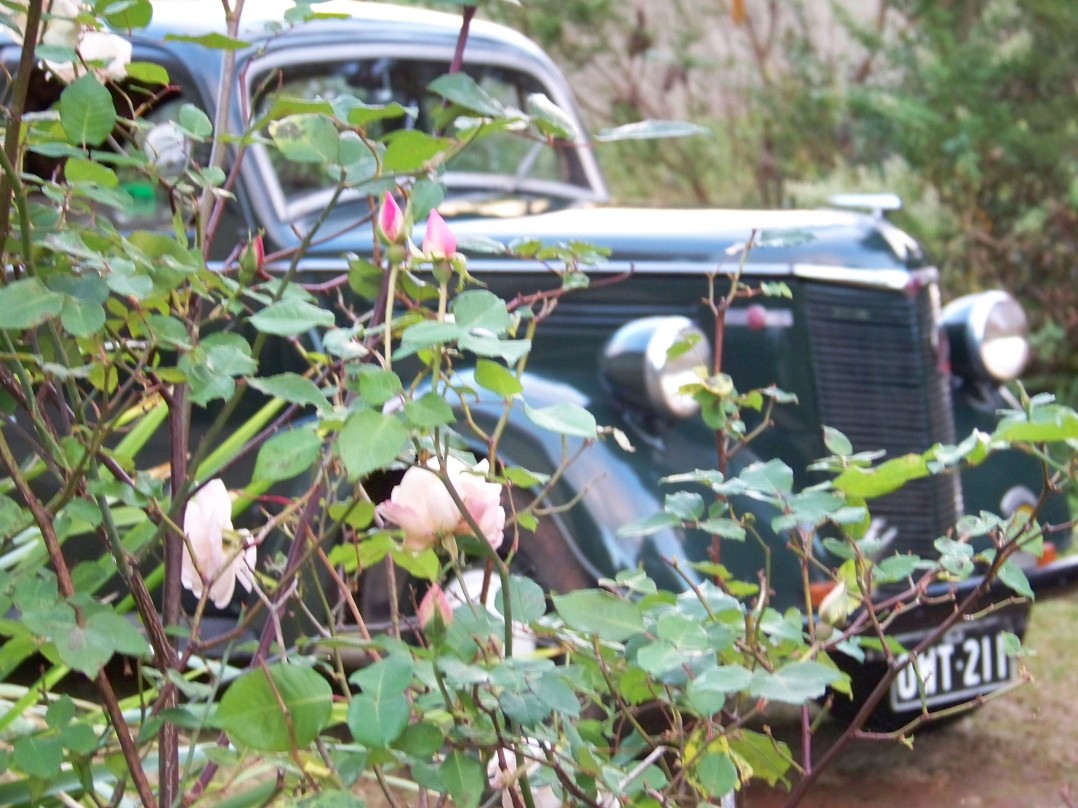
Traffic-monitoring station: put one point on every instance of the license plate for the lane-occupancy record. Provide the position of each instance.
(966, 663)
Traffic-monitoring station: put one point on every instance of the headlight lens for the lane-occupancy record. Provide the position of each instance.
(639, 369)
(989, 336)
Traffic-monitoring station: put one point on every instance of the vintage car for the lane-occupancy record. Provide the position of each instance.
(862, 342)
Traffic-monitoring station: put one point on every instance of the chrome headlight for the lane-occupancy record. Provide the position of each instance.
(639, 369)
(989, 336)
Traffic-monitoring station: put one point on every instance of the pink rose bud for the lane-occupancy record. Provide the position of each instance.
(435, 605)
(438, 240)
(390, 220)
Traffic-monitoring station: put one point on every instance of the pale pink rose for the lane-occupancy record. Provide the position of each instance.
(214, 554)
(435, 604)
(422, 507)
(484, 503)
(390, 220)
(438, 240)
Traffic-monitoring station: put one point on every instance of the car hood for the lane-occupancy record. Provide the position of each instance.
(712, 237)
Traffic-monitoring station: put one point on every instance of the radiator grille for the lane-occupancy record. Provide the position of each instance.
(878, 381)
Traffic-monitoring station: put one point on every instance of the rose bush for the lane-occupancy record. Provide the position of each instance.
(626, 694)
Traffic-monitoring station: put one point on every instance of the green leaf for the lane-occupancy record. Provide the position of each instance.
(82, 318)
(125, 15)
(716, 773)
(836, 442)
(360, 114)
(378, 385)
(479, 308)
(424, 565)
(287, 454)
(77, 170)
(652, 130)
(682, 633)
(1013, 576)
(378, 722)
(211, 41)
(87, 115)
(1046, 423)
(39, 755)
(564, 418)
(462, 89)
(428, 334)
(389, 676)
(250, 716)
(364, 277)
(771, 479)
(194, 122)
(767, 758)
(649, 525)
(147, 73)
(687, 506)
(429, 412)
(465, 779)
(484, 343)
(370, 441)
(291, 317)
(88, 647)
(884, 478)
(658, 658)
(595, 612)
(497, 378)
(123, 635)
(291, 387)
(229, 353)
(550, 119)
(409, 150)
(794, 683)
(708, 692)
(27, 303)
(306, 138)
(526, 597)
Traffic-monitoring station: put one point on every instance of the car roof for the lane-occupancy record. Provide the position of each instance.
(262, 19)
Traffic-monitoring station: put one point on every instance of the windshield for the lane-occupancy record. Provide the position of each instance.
(501, 163)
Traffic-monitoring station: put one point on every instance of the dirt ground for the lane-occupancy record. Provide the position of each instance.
(1017, 752)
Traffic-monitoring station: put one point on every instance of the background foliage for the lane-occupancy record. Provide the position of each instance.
(965, 107)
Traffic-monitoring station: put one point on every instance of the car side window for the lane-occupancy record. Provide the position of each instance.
(382, 81)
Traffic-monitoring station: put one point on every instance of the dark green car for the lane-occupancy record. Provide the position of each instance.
(862, 341)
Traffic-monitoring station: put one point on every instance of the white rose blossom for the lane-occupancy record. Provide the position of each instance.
(423, 508)
(107, 54)
(214, 554)
(59, 25)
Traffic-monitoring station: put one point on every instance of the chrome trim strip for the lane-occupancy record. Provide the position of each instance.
(891, 279)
